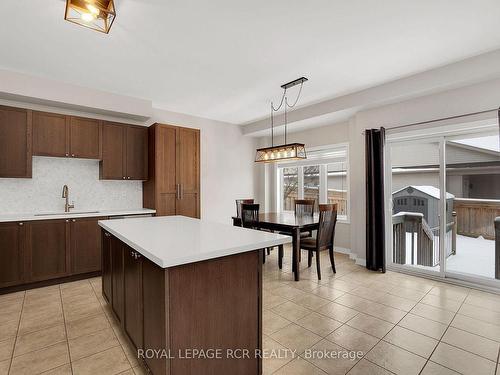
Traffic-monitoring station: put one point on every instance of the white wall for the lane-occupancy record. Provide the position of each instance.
(42, 192)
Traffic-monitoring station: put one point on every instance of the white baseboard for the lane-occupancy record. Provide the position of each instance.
(358, 261)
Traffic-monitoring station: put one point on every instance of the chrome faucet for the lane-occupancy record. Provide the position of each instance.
(65, 194)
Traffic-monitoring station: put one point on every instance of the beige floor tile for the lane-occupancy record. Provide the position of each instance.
(333, 366)
(61, 370)
(310, 301)
(6, 348)
(270, 300)
(40, 339)
(4, 367)
(478, 327)
(84, 346)
(441, 302)
(283, 355)
(299, 366)
(371, 325)
(424, 326)
(343, 285)
(484, 300)
(396, 302)
(10, 312)
(33, 324)
(287, 292)
(86, 326)
(386, 313)
(353, 339)
(328, 293)
(130, 352)
(450, 292)
(272, 322)
(462, 361)
(306, 285)
(433, 313)
(407, 293)
(9, 329)
(9, 297)
(82, 311)
(395, 359)
(480, 313)
(291, 311)
(338, 312)
(295, 338)
(139, 370)
(432, 368)
(365, 367)
(40, 360)
(354, 302)
(108, 362)
(319, 324)
(411, 341)
(472, 343)
(367, 293)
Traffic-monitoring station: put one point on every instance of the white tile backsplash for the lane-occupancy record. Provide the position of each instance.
(42, 193)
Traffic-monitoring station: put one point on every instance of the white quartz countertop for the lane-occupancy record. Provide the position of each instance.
(75, 214)
(174, 240)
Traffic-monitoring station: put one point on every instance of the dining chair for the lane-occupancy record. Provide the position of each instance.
(324, 237)
(249, 218)
(239, 202)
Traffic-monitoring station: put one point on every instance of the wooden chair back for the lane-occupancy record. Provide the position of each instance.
(239, 202)
(249, 215)
(326, 228)
(304, 207)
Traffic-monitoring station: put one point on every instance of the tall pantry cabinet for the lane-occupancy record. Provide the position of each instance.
(173, 187)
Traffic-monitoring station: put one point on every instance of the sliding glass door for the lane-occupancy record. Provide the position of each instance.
(443, 192)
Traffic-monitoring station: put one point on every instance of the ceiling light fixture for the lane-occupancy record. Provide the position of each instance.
(95, 14)
(286, 151)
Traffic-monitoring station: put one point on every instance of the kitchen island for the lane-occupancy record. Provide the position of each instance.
(188, 293)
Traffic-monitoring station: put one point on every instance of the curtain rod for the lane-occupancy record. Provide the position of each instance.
(440, 119)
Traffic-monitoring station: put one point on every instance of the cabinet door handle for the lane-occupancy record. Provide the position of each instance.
(21, 224)
(74, 220)
(124, 177)
(176, 191)
(128, 178)
(73, 155)
(67, 154)
(106, 234)
(181, 191)
(67, 220)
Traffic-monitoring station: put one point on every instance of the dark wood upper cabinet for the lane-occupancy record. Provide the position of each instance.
(11, 254)
(84, 138)
(132, 276)
(85, 245)
(50, 134)
(124, 152)
(48, 254)
(136, 153)
(112, 166)
(173, 187)
(15, 142)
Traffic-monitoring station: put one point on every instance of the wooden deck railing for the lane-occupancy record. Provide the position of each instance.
(411, 232)
(476, 217)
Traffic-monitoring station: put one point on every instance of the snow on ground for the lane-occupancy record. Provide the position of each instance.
(474, 256)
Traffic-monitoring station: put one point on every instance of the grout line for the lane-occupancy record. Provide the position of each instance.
(66, 331)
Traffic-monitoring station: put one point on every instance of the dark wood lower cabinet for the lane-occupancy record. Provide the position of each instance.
(132, 276)
(106, 266)
(85, 245)
(117, 297)
(12, 239)
(47, 249)
(212, 304)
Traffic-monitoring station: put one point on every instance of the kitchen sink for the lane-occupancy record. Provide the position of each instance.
(68, 213)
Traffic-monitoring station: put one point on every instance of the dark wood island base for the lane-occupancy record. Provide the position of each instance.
(198, 318)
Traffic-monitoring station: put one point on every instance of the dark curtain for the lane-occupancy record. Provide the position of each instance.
(375, 215)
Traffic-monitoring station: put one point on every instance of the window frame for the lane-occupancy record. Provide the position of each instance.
(323, 163)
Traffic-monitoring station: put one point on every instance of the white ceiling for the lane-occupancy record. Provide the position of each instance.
(225, 60)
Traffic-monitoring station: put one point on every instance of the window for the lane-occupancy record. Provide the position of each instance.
(323, 176)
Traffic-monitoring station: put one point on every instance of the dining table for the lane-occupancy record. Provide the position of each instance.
(286, 223)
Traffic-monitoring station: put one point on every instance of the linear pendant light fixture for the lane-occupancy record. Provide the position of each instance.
(286, 151)
(95, 14)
